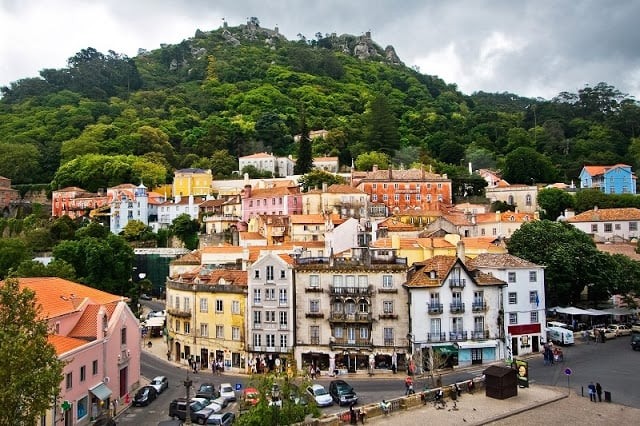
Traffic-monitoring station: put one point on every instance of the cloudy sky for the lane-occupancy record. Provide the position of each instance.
(530, 48)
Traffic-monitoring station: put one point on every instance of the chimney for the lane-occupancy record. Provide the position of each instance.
(374, 168)
(460, 252)
(395, 241)
(324, 186)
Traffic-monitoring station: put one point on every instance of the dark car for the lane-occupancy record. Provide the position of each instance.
(207, 390)
(145, 396)
(342, 392)
(635, 341)
(178, 409)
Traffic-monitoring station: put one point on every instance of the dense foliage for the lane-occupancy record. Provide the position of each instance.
(223, 94)
(29, 367)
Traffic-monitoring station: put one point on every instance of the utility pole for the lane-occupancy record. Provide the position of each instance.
(187, 385)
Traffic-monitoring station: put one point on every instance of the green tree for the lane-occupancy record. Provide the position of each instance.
(254, 173)
(135, 230)
(30, 370)
(382, 127)
(315, 178)
(553, 202)
(186, 229)
(12, 252)
(304, 162)
(571, 258)
(56, 268)
(20, 162)
(527, 166)
(366, 161)
(222, 164)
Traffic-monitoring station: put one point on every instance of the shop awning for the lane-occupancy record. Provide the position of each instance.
(476, 345)
(446, 349)
(101, 391)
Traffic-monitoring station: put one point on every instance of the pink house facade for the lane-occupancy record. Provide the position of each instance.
(277, 200)
(98, 336)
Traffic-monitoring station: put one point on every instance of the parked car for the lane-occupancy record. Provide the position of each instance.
(221, 419)
(227, 392)
(160, 383)
(342, 392)
(320, 395)
(635, 341)
(207, 390)
(145, 296)
(208, 407)
(635, 327)
(620, 330)
(608, 333)
(144, 396)
(250, 397)
(178, 409)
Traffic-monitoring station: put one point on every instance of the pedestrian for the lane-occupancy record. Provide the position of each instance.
(353, 419)
(596, 333)
(592, 392)
(586, 337)
(362, 414)
(599, 391)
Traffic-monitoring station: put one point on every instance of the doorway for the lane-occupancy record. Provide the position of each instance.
(535, 343)
(514, 346)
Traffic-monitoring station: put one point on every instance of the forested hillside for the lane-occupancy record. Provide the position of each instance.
(108, 119)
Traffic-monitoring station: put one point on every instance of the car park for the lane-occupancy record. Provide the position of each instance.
(320, 395)
(160, 383)
(342, 392)
(144, 396)
(221, 419)
(227, 392)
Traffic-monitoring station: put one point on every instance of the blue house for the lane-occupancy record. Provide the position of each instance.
(616, 179)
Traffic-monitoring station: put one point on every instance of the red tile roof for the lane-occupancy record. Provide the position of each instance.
(64, 344)
(600, 215)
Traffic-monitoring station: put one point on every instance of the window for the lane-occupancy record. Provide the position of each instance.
(363, 307)
(384, 186)
(388, 334)
(283, 274)
(513, 298)
(594, 227)
(374, 186)
(528, 200)
(270, 273)
(338, 331)
(177, 303)
(235, 333)
(385, 197)
(270, 316)
(204, 305)
(395, 186)
(350, 280)
(283, 295)
(396, 197)
(187, 327)
(633, 226)
(81, 410)
(257, 340)
(314, 306)
(513, 318)
(618, 227)
(534, 317)
(364, 333)
(83, 373)
(269, 294)
(608, 227)
(204, 330)
(374, 198)
(314, 333)
(533, 276)
(512, 277)
(123, 336)
(283, 318)
(337, 280)
(363, 281)
(387, 306)
(418, 197)
(219, 331)
(235, 307)
(219, 306)
(387, 281)
(187, 304)
(283, 341)
(456, 325)
(314, 280)
(94, 367)
(257, 317)
(533, 297)
(257, 296)
(256, 274)
(478, 324)
(407, 197)
(69, 380)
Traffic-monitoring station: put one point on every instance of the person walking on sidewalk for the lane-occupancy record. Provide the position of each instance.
(592, 392)
(599, 391)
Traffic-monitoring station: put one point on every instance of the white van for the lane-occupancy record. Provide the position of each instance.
(560, 335)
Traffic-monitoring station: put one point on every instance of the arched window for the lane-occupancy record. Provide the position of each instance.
(363, 306)
(510, 201)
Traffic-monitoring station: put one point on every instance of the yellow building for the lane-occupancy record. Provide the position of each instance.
(192, 182)
(206, 318)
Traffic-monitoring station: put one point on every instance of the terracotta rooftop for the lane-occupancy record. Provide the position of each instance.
(60, 297)
(398, 175)
(338, 188)
(600, 215)
(598, 170)
(499, 260)
(440, 265)
(414, 243)
(257, 155)
(64, 344)
(192, 258)
(306, 218)
(245, 235)
(223, 277)
(87, 326)
(504, 217)
(273, 192)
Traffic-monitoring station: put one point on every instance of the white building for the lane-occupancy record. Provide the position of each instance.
(271, 311)
(524, 300)
(277, 166)
(170, 210)
(608, 224)
(128, 202)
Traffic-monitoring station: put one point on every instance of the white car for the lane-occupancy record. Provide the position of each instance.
(620, 330)
(160, 383)
(227, 392)
(320, 395)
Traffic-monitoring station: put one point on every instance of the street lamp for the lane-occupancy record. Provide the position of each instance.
(187, 384)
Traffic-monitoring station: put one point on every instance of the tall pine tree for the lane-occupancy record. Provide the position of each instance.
(304, 162)
(382, 127)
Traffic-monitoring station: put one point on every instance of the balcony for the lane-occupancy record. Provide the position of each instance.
(478, 306)
(349, 291)
(436, 337)
(457, 308)
(480, 335)
(389, 342)
(434, 308)
(457, 336)
(314, 315)
(387, 290)
(351, 343)
(355, 317)
(180, 313)
(314, 340)
(457, 282)
(388, 315)
(314, 289)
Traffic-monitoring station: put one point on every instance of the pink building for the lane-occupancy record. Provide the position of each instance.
(99, 337)
(277, 200)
